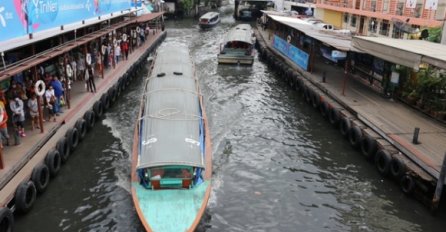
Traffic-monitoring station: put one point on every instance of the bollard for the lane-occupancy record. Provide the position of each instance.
(439, 188)
(415, 135)
(323, 77)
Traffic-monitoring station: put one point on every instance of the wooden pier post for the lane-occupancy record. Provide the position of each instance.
(439, 188)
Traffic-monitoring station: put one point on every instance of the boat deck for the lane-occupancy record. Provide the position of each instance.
(18, 158)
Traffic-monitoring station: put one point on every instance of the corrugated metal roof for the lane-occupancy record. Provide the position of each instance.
(339, 41)
(241, 32)
(170, 125)
(405, 52)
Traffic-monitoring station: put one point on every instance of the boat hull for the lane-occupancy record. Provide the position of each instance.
(208, 25)
(232, 59)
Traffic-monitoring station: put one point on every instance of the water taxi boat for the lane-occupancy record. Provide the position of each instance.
(209, 20)
(238, 46)
(171, 163)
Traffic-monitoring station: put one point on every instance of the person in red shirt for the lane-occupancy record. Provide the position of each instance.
(4, 136)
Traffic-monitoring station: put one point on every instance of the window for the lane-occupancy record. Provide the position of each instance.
(418, 10)
(373, 6)
(386, 6)
(373, 24)
(384, 28)
(346, 18)
(353, 21)
(399, 8)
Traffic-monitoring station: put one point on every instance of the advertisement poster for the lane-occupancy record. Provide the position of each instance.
(21, 17)
(295, 54)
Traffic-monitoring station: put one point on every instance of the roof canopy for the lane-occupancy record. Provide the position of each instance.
(339, 41)
(209, 15)
(410, 53)
(170, 125)
(241, 32)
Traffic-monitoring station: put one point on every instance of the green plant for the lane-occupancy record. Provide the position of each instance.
(434, 34)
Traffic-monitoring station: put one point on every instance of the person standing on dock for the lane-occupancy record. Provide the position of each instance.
(33, 111)
(50, 99)
(74, 67)
(81, 67)
(58, 92)
(4, 136)
(89, 78)
(18, 116)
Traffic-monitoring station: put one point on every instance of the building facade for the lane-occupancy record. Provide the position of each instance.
(382, 18)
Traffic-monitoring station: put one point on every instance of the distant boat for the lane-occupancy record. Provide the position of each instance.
(171, 158)
(209, 20)
(238, 46)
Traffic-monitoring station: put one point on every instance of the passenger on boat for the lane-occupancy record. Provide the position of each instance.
(18, 115)
(81, 67)
(89, 78)
(50, 101)
(33, 111)
(185, 173)
(58, 92)
(74, 68)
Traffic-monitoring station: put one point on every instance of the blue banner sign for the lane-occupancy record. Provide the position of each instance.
(295, 54)
(21, 17)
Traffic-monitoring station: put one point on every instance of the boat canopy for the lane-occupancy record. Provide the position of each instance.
(171, 122)
(241, 33)
(209, 15)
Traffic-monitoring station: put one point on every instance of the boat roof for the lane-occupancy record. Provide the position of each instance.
(209, 15)
(241, 32)
(340, 41)
(171, 119)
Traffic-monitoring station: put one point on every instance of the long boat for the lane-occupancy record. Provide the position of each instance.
(171, 157)
(209, 20)
(238, 46)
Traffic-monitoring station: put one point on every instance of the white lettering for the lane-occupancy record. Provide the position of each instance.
(147, 142)
(2, 20)
(188, 140)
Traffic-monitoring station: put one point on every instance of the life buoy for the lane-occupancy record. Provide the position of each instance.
(345, 126)
(138, 30)
(6, 219)
(89, 119)
(53, 161)
(368, 147)
(333, 116)
(69, 71)
(355, 136)
(288, 39)
(407, 184)
(98, 109)
(115, 42)
(41, 177)
(325, 109)
(81, 127)
(72, 136)
(382, 162)
(103, 49)
(25, 196)
(124, 37)
(64, 149)
(88, 58)
(397, 168)
(39, 88)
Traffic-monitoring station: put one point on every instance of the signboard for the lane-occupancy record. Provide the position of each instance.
(431, 5)
(411, 4)
(295, 54)
(21, 17)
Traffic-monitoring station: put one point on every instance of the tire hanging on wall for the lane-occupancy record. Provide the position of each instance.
(324, 108)
(41, 177)
(53, 161)
(407, 184)
(90, 119)
(368, 147)
(81, 127)
(345, 127)
(64, 149)
(315, 99)
(98, 109)
(105, 101)
(72, 136)
(382, 162)
(355, 136)
(25, 196)
(333, 116)
(397, 168)
(6, 220)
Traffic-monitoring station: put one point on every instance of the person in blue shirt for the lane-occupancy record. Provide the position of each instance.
(58, 92)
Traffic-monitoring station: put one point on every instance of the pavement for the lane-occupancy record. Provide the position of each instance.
(390, 118)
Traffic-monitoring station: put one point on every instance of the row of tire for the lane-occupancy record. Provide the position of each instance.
(387, 160)
(26, 193)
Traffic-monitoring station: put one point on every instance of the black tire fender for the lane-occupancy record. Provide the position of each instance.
(98, 109)
(397, 168)
(6, 220)
(315, 99)
(81, 127)
(333, 116)
(90, 119)
(308, 93)
(72, 136)
(41, 177)
(407, 184)
(382, 162)
(355, 136)
(25, 196)
(63, 148)
(368, 147)
(53, 161)
(105, 101)
(345, 126)
(324, 108)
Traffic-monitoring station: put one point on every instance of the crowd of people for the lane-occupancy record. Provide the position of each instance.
(21, 99)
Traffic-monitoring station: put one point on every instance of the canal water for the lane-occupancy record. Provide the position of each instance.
(278, 166)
